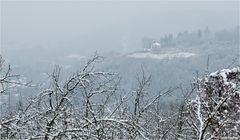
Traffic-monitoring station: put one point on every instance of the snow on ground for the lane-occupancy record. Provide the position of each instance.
(169, 55)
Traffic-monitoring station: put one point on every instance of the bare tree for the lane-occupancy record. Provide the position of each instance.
(90, 104)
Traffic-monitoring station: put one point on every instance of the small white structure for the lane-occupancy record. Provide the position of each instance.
(155, 46)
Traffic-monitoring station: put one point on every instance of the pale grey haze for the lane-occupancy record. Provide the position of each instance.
(107, 25)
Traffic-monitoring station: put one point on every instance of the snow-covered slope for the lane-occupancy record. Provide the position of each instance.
(168, 55)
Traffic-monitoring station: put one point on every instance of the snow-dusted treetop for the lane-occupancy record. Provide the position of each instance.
(217, 106)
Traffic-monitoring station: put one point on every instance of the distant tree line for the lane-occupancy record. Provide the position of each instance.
(199, 36)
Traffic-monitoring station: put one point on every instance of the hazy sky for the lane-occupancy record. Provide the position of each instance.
(106, 24)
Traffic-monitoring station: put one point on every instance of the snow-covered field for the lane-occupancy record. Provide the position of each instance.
(167, 55)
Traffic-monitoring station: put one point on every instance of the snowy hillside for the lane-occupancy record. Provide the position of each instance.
(160, 56)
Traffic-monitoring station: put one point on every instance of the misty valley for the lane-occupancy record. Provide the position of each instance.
(105, 70)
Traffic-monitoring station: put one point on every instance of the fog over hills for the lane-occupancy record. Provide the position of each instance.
(131, 69)
(101, 26)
